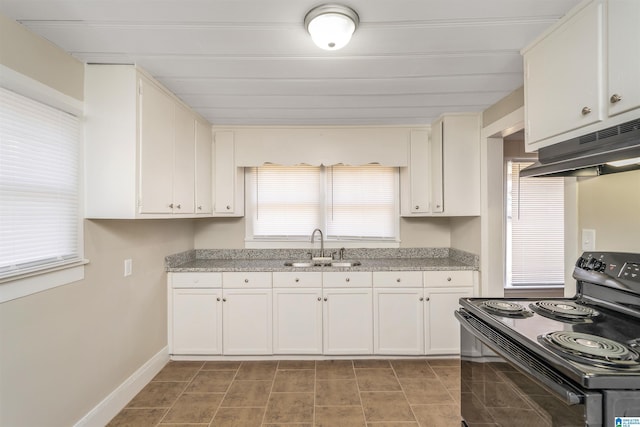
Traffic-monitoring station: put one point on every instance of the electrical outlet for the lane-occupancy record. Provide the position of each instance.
(588, 240)
(128, 267)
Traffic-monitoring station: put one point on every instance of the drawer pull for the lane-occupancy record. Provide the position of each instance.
(218, 299)
(325, 298)
(615, 98)
(297, 280)
(421, 298)
(586, 110)
(246, 280)
(448, 279)
(398, 280)
(347, 280)
(319, 299)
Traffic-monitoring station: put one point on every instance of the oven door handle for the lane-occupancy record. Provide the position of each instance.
(560, 388)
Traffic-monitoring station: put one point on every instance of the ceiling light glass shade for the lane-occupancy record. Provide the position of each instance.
(331, 26)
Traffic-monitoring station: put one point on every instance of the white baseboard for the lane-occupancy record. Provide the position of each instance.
(118, 399)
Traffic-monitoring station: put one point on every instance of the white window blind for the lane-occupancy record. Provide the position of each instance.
(535, 228)
(347, 202)
(39, 186)
(361, 202)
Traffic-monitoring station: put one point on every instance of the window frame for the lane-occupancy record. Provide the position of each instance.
(303, 242)
(26, 283)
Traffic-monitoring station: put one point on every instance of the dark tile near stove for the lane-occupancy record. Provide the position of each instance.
(377, 380)
(437, 415)
(421, 391)
(386, 406)
(408, 368)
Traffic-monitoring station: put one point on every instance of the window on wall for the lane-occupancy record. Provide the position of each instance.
(39, 187)
(287, 203)
(535, 228)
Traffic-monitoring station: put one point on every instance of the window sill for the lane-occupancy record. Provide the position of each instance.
(28, 284)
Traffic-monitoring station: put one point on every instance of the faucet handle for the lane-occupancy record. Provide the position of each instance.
(342, 251)
(333, 255)
(310, 255)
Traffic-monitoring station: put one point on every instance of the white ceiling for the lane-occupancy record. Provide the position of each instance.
(251, 62)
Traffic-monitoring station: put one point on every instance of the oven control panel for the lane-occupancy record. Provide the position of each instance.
(630, 271)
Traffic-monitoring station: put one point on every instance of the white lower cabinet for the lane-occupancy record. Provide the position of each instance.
(196, 322)
(442, 330)
(297, 321)
(246, 321)
(398, 321)
(347, 321)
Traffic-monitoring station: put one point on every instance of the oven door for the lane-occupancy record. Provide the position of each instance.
(503, 384)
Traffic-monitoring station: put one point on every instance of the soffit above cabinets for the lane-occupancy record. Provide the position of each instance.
(251, 62)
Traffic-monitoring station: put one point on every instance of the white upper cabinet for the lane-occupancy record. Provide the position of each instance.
(140, 147)
(624, 56)
(581, 76)
(443, 177)
(203, 176)
(228, 179)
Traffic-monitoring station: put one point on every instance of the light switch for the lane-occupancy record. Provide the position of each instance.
(588, 240)
(128, 267)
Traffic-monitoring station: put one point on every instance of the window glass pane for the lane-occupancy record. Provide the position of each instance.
(535, 228)
(39, 173)
(285, 200)
(361, 202)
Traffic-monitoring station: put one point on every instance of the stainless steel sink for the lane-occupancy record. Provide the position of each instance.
(301, 264)
(345, 263)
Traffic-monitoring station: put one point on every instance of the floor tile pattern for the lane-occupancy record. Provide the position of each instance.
(327, 393)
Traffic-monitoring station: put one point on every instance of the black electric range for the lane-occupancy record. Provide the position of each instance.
(563, 361)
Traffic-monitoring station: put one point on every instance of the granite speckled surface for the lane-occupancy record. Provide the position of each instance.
(409, 259)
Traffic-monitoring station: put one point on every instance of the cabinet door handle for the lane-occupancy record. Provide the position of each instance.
(297, 280)
(224, 300)
(586, 110)
(417, 207)
(325, 298)
(218, 299)
(228, 207)
(421, 299)
(615, 98)
(178, 206)
(448, 279)
(347, 280)
(199, 208)
(171, 205)
(428, 299)
(246, 280)
(320, 299)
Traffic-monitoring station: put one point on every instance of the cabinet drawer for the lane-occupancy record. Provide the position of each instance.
(346, 279)
(196, 280)
(246, 280)
(448, 278)
(391, 279)
(292, 279)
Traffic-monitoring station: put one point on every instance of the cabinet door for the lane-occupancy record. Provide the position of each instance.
(398, 321)
(184, 162)
(156, 129)
(564, 77)
(247, 321)
(442, 330)
(224, 170)
(436, 168)
(624, 55)
(347, 322)
(297, 321)
(203, 167)
(419, 171)
(196, 322)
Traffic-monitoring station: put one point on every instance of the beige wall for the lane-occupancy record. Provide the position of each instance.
(506, 105)
(610, 204)
(228, 233)
(35, 57)
(62, 351)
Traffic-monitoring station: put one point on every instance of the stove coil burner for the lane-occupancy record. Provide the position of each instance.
(506, 308)
(591, 349)
(565, 310)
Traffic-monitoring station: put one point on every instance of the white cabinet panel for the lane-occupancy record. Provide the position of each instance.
(196, 322)
(156, 149)
(183, 200)
(449, 278)
(246, 279)
(416, 178)
(228, 185)
(623, 50)
(247, 321)
(347, 321)
(297, 321)
(442, 330)
(398, 323)
(395, 279)
(195, 280)
(303, 279)
(203, 177)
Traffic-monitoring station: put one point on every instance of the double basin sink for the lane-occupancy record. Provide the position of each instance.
(312, 263)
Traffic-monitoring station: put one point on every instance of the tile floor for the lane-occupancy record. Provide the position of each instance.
(333, 393)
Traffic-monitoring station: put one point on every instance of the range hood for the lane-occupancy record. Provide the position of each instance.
(593, 154)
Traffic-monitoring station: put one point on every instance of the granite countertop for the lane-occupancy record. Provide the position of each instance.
(422, 259)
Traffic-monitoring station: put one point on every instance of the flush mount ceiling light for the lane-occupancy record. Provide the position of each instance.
(331, 25)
